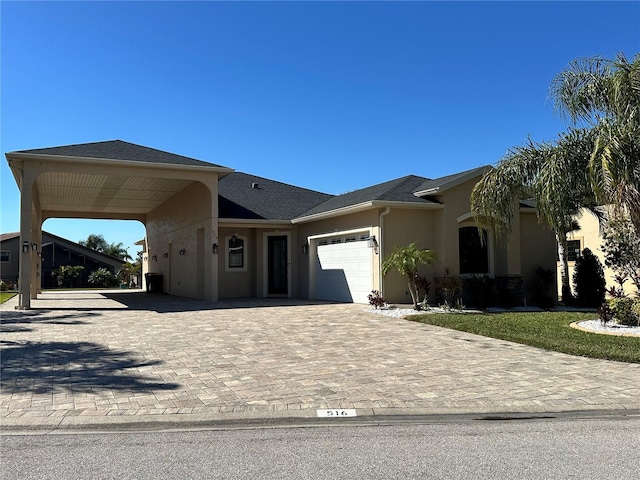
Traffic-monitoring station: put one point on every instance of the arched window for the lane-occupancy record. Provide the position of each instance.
(474, 254)
(236, 255)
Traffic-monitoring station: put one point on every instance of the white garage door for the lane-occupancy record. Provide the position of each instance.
(344, 272)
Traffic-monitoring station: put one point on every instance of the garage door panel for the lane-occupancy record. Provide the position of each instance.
(344, 272)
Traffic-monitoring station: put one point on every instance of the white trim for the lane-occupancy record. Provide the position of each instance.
(464, 217)
(244, 223)
(265, 263)
(339, 233)
(85, 161)
(366, 206)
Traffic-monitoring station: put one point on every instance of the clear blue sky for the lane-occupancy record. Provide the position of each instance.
(330, 96)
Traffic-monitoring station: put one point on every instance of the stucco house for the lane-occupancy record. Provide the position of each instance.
(589, 235)
(54, 252)
(215, 233)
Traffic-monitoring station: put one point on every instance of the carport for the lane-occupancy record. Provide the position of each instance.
(175, 197)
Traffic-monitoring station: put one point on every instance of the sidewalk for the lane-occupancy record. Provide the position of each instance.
(117, 359)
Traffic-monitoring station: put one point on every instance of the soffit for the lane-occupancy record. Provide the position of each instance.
(106, 194)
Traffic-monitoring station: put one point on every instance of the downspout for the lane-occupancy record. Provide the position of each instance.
(381, 248)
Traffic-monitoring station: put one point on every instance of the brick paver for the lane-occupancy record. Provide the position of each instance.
(114, 354)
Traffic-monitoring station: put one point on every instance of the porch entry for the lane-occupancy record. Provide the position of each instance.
(277, 268)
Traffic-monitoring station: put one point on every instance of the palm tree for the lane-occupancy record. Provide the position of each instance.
(605, 96)
(554, 175)
(406, 261)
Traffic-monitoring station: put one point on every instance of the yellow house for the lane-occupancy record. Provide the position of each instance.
(589, 236)
(215, 233)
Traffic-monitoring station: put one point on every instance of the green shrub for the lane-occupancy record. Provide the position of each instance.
(482, 292)
(588, 278)
(104, 278)
(626, 311)
(544, 288)
(3, 286)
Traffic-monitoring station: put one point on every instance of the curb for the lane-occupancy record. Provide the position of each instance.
(295, 418)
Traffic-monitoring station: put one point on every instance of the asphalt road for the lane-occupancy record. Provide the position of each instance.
(522, 449)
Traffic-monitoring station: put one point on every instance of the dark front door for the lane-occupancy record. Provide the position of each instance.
(278, 275)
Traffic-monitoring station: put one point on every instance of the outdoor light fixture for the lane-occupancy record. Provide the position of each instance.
(305, 248)
(34, 246)
(145, 258)
(25, 247)
(372, 243)
(234, 237)
(154, 258)
(183, 251)
(165, 255)
(215, 248)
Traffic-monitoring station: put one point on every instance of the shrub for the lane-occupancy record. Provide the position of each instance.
(544, 288)
(3, 286)
(588, 278)
(626, 311)
(604, 313)
(482, 291)
(103, 278)
(449, 291)
(423, 285)
(376, 299)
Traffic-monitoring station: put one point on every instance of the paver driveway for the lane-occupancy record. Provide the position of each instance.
(123, 353)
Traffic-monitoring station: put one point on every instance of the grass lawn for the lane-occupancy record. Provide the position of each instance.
(548, 330)
(4, 296)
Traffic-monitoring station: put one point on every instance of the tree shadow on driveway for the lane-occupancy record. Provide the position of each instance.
(73, 367)
(14, 322)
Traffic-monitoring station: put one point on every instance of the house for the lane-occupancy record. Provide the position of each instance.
(215, 233)
(589, 235)
(54, 252)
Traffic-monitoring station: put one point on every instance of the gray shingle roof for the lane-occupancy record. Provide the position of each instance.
(271, 200)
(119, 150)
(444, 181)
(398, 190)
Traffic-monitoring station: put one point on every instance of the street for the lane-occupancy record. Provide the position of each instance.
(603, 448)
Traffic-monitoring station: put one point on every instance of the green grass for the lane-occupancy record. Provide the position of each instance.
(548, 330)
(4, 296)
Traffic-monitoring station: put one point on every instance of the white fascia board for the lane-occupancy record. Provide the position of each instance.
(341, 232)
(365, 206)
(334, 213)
(120, 163)
(253, 223)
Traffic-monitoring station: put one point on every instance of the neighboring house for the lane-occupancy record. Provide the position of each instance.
(53, 252)
(214, 233)
(589, 236)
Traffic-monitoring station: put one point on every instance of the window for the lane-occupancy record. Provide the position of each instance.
(5, 256)
(350, 239)
(236, 259)
(474, 255)
(573, 250)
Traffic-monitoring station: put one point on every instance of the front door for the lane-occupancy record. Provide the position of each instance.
(277, 265)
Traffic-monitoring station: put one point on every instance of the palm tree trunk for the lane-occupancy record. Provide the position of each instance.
(567, 296)
(413, 291)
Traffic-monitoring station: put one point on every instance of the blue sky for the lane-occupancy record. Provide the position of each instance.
(330, 96)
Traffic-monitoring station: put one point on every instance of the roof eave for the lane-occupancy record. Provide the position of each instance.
(454, 183)
(109, 161)
(365, 206)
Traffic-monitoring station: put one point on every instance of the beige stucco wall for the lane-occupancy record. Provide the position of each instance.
(174, 226)
(538, 249)
(589, 236)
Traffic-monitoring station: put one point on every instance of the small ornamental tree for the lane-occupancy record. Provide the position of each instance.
(406, 261)
(588, 277)
(67, 275)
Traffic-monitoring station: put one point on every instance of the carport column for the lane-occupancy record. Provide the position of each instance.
(211, 277)
(26, 222)
(36, 259)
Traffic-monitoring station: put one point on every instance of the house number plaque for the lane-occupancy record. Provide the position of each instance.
(338, 412)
